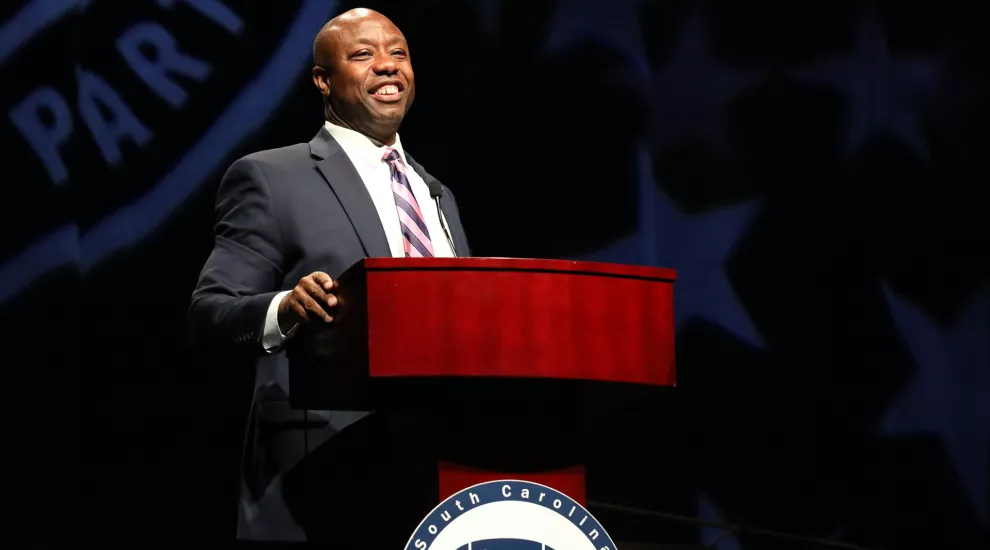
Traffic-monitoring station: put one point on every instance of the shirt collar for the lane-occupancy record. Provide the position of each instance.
(361, 149)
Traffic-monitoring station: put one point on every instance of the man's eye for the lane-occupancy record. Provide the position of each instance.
(399, 53)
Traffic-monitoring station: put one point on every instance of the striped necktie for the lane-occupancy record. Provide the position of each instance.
(415, 236)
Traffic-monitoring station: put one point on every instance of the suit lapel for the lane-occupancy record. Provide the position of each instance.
(351, 192)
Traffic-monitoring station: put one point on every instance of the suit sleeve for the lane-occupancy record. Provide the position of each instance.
(244, 271)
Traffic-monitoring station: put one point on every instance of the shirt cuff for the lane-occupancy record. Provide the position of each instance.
(273, 338)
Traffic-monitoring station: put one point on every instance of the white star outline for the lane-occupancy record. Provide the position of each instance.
(949, 395)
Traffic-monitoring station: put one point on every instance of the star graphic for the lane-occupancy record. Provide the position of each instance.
(950, 393)
(489, 14)
(691, 91)
(714, 537)
(697, 246)
(614, 24)
(884, 92)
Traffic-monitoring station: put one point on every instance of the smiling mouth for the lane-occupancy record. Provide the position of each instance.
(388, 93)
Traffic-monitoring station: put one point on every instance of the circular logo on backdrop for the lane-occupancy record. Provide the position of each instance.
(155, 104)
(509, 515)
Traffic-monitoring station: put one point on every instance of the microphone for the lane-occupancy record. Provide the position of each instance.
(436, 193)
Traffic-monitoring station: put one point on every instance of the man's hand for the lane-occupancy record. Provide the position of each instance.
(311, 299)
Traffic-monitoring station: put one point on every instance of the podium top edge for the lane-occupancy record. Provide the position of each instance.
(519, 264)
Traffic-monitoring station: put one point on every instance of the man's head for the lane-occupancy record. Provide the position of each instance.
(363, 70)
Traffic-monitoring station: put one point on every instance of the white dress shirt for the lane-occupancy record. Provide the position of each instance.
(367, 158)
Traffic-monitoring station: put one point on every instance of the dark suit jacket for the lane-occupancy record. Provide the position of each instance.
(281, 215)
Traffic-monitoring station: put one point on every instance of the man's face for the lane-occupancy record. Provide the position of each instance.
(371, 83)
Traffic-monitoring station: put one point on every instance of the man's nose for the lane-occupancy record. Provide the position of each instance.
(385, 65)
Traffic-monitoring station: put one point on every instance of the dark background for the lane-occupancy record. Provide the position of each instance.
(813, 171)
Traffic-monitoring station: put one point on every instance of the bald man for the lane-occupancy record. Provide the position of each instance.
(289, 221)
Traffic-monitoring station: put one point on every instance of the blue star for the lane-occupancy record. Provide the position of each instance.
(489, 13)
(614, 24)
(708, 511)
(697, 246)
(884, 93)
(690, 93)
(950, 394)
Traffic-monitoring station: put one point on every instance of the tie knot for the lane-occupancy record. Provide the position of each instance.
(391, 155)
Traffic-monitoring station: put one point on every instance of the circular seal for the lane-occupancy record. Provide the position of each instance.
(509, 514)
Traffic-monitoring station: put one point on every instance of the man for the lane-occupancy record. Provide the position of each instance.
(289, 222)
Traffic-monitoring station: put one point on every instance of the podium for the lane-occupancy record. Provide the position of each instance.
(511, 364)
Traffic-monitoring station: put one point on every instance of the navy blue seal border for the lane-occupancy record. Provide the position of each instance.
(502, 490)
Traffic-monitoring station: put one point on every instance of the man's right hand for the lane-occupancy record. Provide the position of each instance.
(312, 298)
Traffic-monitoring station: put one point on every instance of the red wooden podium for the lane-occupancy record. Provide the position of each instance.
(493, 350)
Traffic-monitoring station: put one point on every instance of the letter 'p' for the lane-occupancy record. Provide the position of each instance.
(45, 137)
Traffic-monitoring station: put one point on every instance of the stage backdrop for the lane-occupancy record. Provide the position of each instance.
(815, 173)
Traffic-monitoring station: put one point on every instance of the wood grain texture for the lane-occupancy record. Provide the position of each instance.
(489, 318)
(520, 318)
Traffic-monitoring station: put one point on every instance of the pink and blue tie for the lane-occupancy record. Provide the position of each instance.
(415, 236)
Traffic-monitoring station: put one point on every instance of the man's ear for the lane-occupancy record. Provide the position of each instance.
(322, 80)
